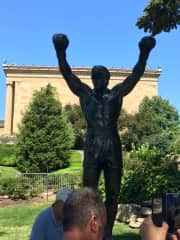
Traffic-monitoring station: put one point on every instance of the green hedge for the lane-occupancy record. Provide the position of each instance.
(18, 188)
(7, 155)
(152, 174)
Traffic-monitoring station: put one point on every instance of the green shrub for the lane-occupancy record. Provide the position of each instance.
(18, 188)
(7, 155)
(101, 187)
(129, 163)
(152, 174)
(8, 172)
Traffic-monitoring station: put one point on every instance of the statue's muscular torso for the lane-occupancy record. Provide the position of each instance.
(102, 145)
(101, 111)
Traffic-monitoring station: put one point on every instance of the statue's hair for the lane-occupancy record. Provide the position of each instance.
(80, 206)
(100, 72)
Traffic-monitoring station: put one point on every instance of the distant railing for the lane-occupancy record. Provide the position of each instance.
(46, 182)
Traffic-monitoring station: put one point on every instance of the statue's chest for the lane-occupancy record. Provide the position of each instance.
(99, 106)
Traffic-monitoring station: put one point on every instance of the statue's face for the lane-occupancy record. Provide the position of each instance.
(100, 77)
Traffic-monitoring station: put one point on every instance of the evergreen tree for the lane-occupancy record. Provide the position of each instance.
(45, 136)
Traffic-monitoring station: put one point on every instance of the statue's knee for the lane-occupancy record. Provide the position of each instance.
(112, 198)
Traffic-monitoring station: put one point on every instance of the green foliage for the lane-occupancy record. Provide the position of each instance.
(75, 116)
(18, 188)
(75, 163)
(7, 155)
(123, 120)
(156, 124)
(101, 187)
(45, 136)
(128, 163)
(160, 15)
(152, 173)
(175, 145)
(8, 172)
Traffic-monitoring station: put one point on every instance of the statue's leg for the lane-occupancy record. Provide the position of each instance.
(112, 188)
(91, 177)
(91, 164)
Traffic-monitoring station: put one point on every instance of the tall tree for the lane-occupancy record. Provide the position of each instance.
(156, 123)
(45, 136)
(160, 15)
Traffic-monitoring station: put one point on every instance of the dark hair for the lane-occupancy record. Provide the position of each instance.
(79, 207)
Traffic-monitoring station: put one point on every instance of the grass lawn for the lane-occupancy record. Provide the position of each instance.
(8, 172)
(16, 223)
(75, 163)
(121, 231)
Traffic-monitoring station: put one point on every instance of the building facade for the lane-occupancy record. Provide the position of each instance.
(22, 81)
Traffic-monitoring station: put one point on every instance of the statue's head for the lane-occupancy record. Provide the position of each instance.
(100, 77)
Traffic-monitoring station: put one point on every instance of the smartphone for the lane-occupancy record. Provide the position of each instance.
(166, 207)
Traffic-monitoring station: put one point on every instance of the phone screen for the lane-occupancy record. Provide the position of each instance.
(166, 207)
(157, 210)
(157, 205)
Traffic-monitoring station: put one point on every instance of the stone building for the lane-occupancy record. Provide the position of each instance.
(22, 81)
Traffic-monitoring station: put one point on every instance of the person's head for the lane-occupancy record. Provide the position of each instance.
(84, 210)
(100, 77)
(61, 197)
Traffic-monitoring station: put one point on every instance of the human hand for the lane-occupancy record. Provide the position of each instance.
(146, 44)
(174, 236)
(60, 41)
(149, 231)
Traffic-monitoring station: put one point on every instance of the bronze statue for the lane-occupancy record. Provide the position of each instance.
(101, 107)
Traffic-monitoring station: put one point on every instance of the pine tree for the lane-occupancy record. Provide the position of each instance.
(45, 136)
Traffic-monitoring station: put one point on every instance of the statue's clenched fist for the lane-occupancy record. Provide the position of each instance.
(60, 41)
(147, 43)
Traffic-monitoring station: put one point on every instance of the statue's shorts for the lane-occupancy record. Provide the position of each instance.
(102, 150)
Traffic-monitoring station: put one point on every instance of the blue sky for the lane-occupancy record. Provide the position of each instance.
(100, 32)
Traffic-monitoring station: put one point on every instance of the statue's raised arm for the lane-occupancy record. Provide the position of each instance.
(61, 43)
(145, 45)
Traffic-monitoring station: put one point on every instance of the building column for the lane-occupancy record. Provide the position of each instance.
(8, 110)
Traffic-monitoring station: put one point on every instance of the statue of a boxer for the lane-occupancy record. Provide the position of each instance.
(101, 107)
